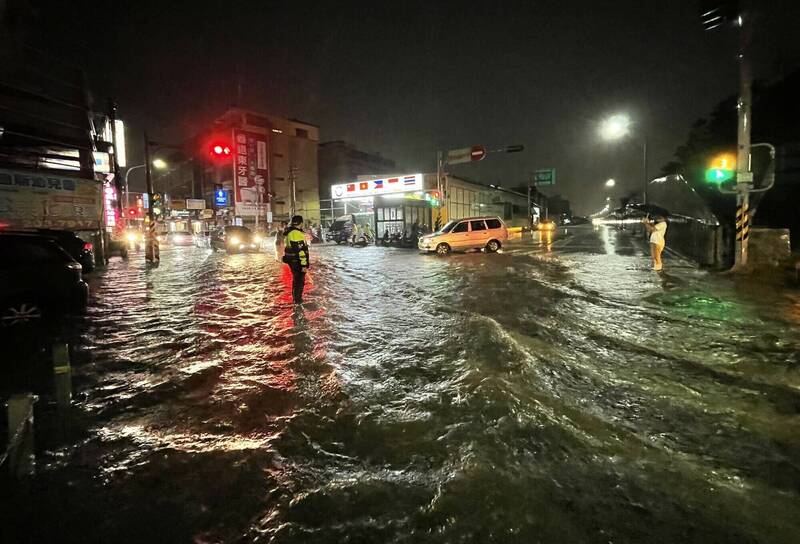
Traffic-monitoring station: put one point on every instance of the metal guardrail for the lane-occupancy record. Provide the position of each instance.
(19, 451)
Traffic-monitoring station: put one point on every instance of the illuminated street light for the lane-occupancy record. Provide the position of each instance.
(615, 127)
(611, 182)
(159, 164)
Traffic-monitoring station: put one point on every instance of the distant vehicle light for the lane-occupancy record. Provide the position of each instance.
(87, 246)
(131, 236)
(235, 241)
(257, 239)
(547, 225)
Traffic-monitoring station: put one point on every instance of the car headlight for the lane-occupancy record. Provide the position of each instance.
(257, 239)
(131, 236)
(235, 241)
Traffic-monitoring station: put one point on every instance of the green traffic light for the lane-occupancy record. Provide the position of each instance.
(718, 175)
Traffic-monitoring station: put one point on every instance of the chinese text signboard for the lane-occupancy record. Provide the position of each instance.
(250, 169)
(41, 200)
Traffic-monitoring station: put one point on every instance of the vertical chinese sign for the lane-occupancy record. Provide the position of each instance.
(250, 173)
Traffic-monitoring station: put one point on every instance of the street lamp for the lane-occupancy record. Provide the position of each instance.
(617, 127)
(611, 182)
(159, 164)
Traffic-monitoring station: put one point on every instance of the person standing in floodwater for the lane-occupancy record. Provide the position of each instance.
(295, 254)
(657, 231)
(279, 240)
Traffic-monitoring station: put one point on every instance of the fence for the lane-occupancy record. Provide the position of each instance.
(18, 457)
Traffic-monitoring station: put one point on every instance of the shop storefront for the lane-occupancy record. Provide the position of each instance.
(399, 205)
(404, 204)
(399, 216)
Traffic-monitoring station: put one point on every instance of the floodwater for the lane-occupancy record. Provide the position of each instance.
(558, 392)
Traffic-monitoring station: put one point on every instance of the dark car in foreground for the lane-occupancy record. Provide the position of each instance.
(78, 248)
(38, 280)
(235, 239)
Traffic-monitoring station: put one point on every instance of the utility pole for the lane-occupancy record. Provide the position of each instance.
(293, 188)
(151, 250)
(744, 176)
(717, 13)
(530, 212)
(439, 187)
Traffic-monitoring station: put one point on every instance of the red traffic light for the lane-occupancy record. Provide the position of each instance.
(220, 150)
(132, 212)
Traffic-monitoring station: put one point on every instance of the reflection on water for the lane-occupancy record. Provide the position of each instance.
(474, 398)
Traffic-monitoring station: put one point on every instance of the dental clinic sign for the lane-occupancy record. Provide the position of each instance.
(377, 187)
(250, 173)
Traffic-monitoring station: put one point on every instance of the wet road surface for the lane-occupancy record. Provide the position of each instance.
(558, 392)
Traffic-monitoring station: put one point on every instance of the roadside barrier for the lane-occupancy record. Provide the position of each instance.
(19, 454)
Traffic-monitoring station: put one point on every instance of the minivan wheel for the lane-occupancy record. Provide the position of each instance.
(442, 249)
(492, 246)
(19, 312)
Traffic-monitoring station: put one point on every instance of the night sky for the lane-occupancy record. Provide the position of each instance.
(408, 78)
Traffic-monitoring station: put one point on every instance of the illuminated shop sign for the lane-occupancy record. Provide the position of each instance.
(377, 187)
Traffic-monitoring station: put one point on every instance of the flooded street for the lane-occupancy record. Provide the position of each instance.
(558, 392)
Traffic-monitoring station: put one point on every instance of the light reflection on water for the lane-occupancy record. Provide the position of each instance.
(480, 398)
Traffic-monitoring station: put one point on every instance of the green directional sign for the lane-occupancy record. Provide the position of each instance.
(544, 177)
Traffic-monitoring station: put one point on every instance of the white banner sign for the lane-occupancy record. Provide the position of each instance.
(251, 209)
(377, 187)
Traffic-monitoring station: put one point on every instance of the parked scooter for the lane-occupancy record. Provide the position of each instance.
(361, 238)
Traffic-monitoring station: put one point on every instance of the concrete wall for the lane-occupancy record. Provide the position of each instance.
(768, 247)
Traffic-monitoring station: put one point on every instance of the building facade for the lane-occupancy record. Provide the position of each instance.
(397, 203)
(279, 153)
(340, 162)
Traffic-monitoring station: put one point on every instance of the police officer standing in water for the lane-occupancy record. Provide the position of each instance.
(295, 254)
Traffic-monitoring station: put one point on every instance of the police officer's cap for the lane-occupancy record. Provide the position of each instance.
(297, 220)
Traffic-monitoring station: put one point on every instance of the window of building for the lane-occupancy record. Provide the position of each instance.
(257, 120)
(301, 133)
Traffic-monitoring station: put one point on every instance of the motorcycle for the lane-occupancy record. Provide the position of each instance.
(361, 240)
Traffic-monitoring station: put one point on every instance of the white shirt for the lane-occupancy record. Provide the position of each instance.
(657, 236)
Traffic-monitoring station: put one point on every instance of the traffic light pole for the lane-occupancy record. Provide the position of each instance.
(744, 175)
(530, 212)
(151, 250)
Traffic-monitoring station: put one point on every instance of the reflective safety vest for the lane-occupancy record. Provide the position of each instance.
(295, 247)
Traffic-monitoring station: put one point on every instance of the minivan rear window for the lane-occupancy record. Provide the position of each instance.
(493, 223)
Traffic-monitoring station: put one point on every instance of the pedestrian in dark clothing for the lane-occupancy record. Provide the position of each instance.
(295, 254)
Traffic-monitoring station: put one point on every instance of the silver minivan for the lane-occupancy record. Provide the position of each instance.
(488, 233)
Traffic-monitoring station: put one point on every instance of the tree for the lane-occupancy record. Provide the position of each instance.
(776, 118)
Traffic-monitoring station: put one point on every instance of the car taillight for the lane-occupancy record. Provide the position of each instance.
(87, 246)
